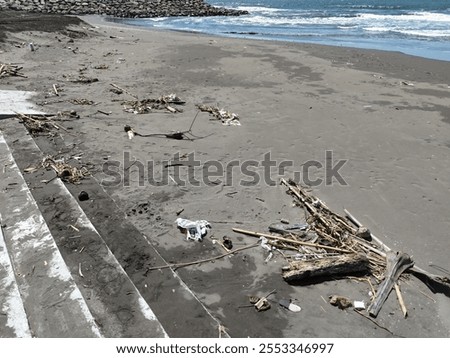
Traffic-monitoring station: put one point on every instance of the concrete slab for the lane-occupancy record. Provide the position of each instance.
(52, 301)
(12, 102)
(13, 319)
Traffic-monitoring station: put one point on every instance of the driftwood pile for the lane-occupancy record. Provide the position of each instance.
(164, 102)
(10, 70)
(226, 117)
(65, 171)
(332, 245)
(46, 124)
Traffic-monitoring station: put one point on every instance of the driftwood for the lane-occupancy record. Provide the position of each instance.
(164, 102)
(327, 266)
(396, 265)
(10, 70)
(185, 264)
(290, 241)
(227, 118)
(400, 300)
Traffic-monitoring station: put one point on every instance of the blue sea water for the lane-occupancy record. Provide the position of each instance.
(420, 28)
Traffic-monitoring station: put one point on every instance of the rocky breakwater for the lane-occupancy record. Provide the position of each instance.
(121, 8)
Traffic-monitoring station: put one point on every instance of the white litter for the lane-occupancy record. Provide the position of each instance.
(195, 230)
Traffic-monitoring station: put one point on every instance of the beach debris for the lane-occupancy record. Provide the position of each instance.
(287, 303)
(223, 331)
(81, 101)
(55, 89)
(359, 305)
(340, 302)
(83, 196)
(45, 123)
(119, 90)
(266, 246)
(164, 102)
(397, 263)
(194, 230)
(227, 243)
(10, 70)
(261, 303)
(300, 270)
(401, 301)
(185, 264)
(227, 118)
(65, 171)
(178, 135)
(406, 83)
(335, 245)
(101, 67)
(81, 79)
(287, 228)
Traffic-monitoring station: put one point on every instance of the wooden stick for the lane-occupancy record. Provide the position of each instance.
(400, 300)
(201, 261)
(298, 242)
(55, 89)
(124, 90)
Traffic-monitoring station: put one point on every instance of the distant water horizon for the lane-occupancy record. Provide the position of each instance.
(419, 28)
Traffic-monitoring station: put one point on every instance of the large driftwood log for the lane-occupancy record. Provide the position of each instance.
(397, 263)
(328, 266)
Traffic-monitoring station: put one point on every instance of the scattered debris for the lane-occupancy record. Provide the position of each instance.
(10, 70)
(261, 303)
(287, 228)
(150, 104)
(82, 79)
(45, 123)
(227, 118)
(81, 101)
(101, 67)
(194, 230)
(178, 135)
(341, 302)
(287, 303)
(65, 171)
(359, 305)
(227, 243)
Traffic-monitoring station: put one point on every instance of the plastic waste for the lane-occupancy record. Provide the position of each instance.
(287, 303)
(195, 230)
(359, 305)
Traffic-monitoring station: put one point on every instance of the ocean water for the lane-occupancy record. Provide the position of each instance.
(420, 28)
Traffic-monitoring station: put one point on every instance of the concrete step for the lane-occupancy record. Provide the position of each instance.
(13, 319)
(109, 253)
(115, 303)
(37, 279)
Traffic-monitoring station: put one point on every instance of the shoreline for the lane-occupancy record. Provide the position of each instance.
(337, 54)
(385, 114)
